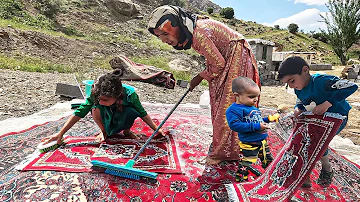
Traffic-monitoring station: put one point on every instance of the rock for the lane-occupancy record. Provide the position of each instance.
(180, 65)
(123, 7)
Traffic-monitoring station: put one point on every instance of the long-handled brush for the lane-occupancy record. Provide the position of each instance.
(128, 171)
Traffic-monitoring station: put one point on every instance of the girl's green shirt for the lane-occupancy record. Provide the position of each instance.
(131, 99)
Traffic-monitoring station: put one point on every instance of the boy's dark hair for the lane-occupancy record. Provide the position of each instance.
(291, 66)
(109, 85)
(240, 84)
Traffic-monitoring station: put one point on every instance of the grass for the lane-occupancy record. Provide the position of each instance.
(31, 64)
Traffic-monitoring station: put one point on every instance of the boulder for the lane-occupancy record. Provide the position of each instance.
(180, 65)
(123, 7)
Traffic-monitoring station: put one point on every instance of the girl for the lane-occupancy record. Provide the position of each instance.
(114, 108)
(227, 55)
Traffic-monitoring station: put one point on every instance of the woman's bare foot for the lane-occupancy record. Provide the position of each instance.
(128, 133)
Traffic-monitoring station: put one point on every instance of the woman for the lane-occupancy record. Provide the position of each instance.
(227, 56)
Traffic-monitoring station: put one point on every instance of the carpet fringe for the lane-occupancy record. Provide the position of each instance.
(233, 197)
(28, 159)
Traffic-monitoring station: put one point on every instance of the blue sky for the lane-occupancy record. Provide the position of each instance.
(305, 13)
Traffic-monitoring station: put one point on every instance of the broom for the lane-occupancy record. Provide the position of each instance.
(128, 171)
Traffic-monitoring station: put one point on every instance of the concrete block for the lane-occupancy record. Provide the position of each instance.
(182, 83)
(67, 90)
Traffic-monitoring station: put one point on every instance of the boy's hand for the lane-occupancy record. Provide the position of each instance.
(297, 112)
(274, 117)
(56, 137)
(264, 126)
(321, 108)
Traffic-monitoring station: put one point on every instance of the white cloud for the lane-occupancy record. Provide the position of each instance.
(311, 2)
(307, 20)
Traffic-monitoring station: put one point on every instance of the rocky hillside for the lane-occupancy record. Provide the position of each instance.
(83, 35)
(204, 4)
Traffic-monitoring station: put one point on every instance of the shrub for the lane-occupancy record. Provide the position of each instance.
(10, 9)
(49, 8)
(277, 27)
(320, 36)
(180, 3)
(293, 28)
(233, 22)
(227, 12)
(210, 10)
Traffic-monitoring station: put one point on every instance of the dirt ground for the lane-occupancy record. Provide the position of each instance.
(273, 96)
(24, 93)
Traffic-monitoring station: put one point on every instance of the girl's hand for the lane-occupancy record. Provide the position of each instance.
(160, 133)
(264, 126)
(297, 112)
(56, 136)
(321, 108)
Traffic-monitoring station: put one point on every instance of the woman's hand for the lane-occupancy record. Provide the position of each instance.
(56, 136)
(195, 82)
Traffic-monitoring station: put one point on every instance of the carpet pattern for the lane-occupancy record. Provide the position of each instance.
(197, 183)
(77, 152)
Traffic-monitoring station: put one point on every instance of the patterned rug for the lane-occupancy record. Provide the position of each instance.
(294, 163)
(197, 183)
(77, 152)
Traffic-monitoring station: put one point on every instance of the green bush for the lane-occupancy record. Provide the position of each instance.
(71, 31)
(49, 8)
(227, 12)
(293, 28)
(210, 10)
(320, 36)
(10, 9)
(277, 27)
(180, 3)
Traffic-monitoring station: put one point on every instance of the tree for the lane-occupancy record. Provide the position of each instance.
(227, 12)
(293, 28)
(343, 26)
(210, 10)
(277, 27)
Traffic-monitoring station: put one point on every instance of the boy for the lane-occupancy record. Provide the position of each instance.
(245, 119)
(326, 91)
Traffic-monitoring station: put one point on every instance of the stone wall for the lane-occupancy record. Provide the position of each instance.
(316, 67)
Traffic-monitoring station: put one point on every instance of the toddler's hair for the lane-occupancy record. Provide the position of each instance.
(291, 66)
(240, 84)
(108, 84)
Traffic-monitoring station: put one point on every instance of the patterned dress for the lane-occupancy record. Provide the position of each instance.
(227, 56)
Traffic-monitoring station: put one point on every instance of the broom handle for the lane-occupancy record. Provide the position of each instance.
(161, 124)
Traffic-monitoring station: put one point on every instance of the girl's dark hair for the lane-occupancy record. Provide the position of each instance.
(109, 85)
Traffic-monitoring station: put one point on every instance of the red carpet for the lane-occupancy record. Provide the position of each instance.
(198, 183)
(77, 152)
(294, 162)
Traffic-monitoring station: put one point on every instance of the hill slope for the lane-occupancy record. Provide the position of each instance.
(85, 35)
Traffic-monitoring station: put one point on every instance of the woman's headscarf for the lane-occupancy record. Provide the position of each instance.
(168, 17)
